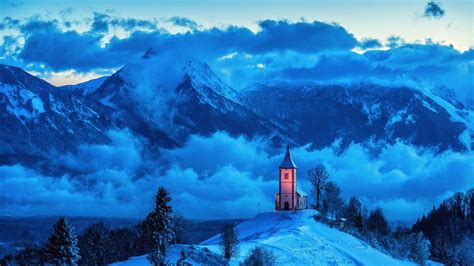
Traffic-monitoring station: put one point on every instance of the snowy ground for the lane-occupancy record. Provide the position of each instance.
(294, 237)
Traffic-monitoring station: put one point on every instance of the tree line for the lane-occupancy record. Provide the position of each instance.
(99, 245)
(450, 229)
(372, 227)
(445, 234)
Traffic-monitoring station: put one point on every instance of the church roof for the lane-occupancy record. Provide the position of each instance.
(301, 192)
(287, 161)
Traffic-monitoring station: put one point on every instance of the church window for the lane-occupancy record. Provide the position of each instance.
(286, 175)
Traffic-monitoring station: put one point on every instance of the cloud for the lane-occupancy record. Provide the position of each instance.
(123, 153)
(15, 4)
(100, 22)
(419, 66)
(245, 155)
(184, 22)
(368, 43)
(220, 176)
(99, 180)
(26, 192)
(112, 41)
(433, 10)
(228, 193)
(279, 49)
(301, 36)
(103, 22)
(405, 180)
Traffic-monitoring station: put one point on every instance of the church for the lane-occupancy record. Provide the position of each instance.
(289, 196)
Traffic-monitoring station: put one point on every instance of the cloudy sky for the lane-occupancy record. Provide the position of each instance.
(417, 43)
(39, 35)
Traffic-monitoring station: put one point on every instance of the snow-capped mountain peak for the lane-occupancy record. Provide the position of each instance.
(180, 96)
(202, 76)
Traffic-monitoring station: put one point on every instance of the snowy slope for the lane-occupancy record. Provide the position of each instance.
(363, 113)
(180, 97)
(296, 239)
(37, 119)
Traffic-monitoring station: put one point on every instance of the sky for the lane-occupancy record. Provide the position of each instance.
(407, 20)
(422, 44)
(369, 18)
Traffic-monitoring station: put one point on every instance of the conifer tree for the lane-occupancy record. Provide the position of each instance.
(94, 245)
(359, 221)
(158, 228)
(62, 247)
(230, 241)
(353, 213)
(377, 223)
(471, 209)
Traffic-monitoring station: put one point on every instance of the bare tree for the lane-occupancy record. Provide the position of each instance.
(332, 201)
(318, 177)
(229, 241)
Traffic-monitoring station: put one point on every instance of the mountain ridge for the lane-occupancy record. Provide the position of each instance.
(166, 100)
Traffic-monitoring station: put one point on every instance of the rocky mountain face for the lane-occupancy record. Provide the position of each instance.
(164, 101)
(322, 115)
(37, 120)
(155, 101)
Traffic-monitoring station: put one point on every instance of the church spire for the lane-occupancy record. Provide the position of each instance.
(288, 161)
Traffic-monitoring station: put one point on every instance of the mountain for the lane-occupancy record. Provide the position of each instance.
(324, 114)
(295, 238)
(178, 98)
(164, 102)
(38, 120)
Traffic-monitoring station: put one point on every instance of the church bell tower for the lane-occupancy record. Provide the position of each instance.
(287, 198)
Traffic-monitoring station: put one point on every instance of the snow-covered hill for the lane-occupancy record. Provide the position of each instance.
(295, 238)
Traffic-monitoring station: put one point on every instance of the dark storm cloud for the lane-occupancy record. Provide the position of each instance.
(82, 48)
(303, 36)
(67, 50)
(369, 43)
(36, 24)
(100, 22)
(279, 49)
(433, 10)
(406, 64)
